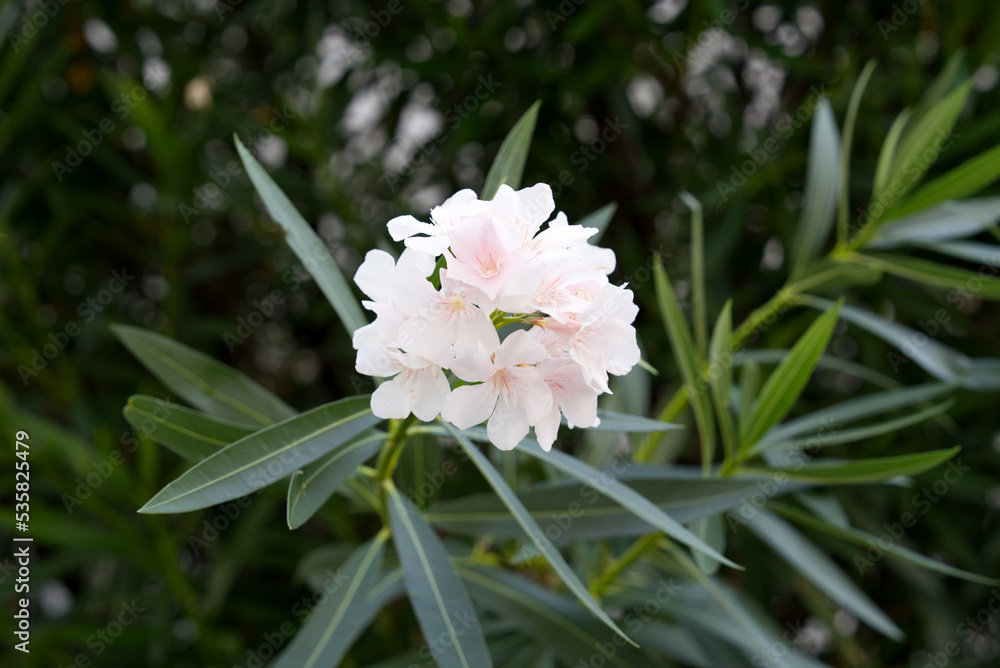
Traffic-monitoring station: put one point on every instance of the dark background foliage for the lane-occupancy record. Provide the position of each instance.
(157, 88)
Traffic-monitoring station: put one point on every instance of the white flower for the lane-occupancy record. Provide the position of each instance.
(502, 264)
(511, 393)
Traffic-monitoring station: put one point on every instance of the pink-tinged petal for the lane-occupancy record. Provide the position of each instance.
(547, 429)
(519, 348)
(576, 398)
(475, 365)
(508, 426)
(374, 273)
(469, 405)
(430, 391)
(531, 393)
(391, 400)
(402, 227)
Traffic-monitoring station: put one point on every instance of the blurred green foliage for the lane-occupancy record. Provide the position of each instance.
(116, 153)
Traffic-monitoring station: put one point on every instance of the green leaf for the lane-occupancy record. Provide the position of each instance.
(191, 434)
(311, 486)
(533, 531)
(890, 547)
(987, 255)
(699, 297)
(552, 619)
(821, 189)
(609, 486)
(568, 511)
(857, 434)
(821, 570)
(859, 471)
(712, 530)
(687, 360)
(948, 220)
(720, 373)
(963, 181)
(786, 382)
(337, 619)
(630, 424)
(203, 382)
(439, 600)
(509, 164)
(599, 219)
(829, 420)
(928, 133)
(931, 273)
(888, 152)
(306, 244)
(843, 214)
(267, 455)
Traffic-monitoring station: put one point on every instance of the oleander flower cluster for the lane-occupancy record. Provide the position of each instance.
(523, 319)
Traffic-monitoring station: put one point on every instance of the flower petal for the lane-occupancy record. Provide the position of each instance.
(469, 405)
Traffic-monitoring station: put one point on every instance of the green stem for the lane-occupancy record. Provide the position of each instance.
(619, 565)
(388, 459)
(673, 408)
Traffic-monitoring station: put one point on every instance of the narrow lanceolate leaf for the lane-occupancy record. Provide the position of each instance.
(630, 424)
(941, 222)
(552, 619)
(599, 219)
(821, 570)
(571, 512)
(439, 600)
(304, 241)
(609, 486)
(203, 382)
(830, 421)
(986, 255)
(859, 471)
(720, 375)
(508, 166)
(821, 189)
(712, 530)
(843, 213)
(888, 153)
(312, 485)
(270, 454)
(191, 434)
(335, 623)
(786, 382)
(927, 136)
(889, 547)
(964, 181)
(687, 359)
(534, 532)
(932, 273)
